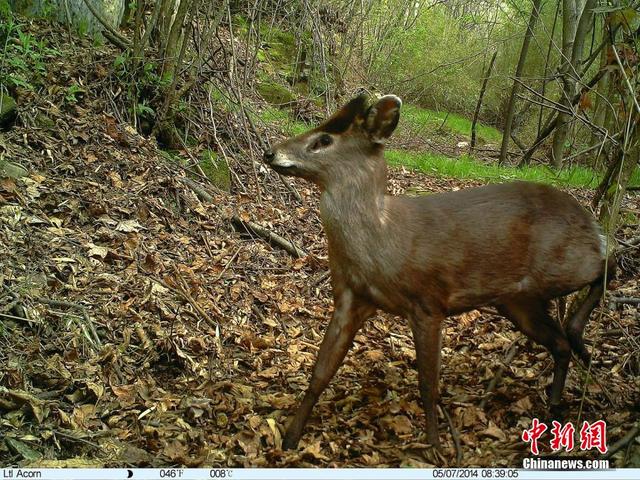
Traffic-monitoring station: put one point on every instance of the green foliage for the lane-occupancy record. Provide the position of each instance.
(119, 63)
(283, 52)
(47, 9)
(151, 78)
(72, 93)
(173, 157)
(24, 58)
(629, 218)
(5, 9)
(220, 101)
(82, 26)
(470, 168)
(439, 62)
(421, 120)
(145, 111)
(7, 108)
(145, 84)
(435, 44)
(280, 50)
(281, 119)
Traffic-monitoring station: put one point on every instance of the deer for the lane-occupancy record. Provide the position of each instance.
(514, 246)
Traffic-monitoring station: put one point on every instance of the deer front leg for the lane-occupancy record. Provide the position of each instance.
(427, 338)
(348, 316)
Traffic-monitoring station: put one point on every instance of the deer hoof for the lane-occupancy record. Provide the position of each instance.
(557, 411)
(290, 442)
(434, 440)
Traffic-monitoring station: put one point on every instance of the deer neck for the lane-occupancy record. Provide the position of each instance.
(354, 213)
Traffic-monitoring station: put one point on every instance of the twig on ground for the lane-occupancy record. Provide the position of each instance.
(225, 268)
(258, 313)
(614, 332)
(184, 291)
(198, 189)
(623, 442)
(187, 297)
(592, 376)
(455, 435)
(91, 334)
(15, 317)
(289, 186)
(322, 278)
(625, 300)
(628, 244)
(74, 438)
(496, 378)
(269, 236)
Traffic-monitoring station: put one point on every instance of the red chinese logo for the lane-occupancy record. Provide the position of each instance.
(532, 435)
(592, 435)
(562, 436)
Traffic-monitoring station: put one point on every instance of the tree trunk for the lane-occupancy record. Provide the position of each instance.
(506, 134)
(625, 162)
(599, 105)
(576, 24)
(546, 66)
(476, 113)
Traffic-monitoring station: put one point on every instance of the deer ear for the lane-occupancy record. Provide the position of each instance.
(382, 118)
(340, 121)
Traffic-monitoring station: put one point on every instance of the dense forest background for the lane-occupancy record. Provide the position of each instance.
(163, 293)
(558, 78)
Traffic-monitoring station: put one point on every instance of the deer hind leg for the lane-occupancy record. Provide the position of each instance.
(575, 326)
(348, 317)
(532, 318)
(427, 337)
(577, 322)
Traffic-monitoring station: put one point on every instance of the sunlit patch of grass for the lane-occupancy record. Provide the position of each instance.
(282, 118)
(469, 168)
(421, 119)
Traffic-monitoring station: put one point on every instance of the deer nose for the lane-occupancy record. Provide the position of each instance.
(269, 156)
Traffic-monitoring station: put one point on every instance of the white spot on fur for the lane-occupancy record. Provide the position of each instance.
(385, 215)
(396, 98)
(282, 160)
(524, 284)
(603, 245)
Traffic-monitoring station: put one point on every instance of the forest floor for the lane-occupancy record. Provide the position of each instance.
(138, 327)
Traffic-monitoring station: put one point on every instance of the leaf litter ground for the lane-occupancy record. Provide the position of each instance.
(140, 328)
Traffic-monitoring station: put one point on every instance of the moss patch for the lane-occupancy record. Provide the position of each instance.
(8, 110)
(281, 49)
(220, 101)
(169, 156)
(274, 93)
(283, 120)
(216, 170)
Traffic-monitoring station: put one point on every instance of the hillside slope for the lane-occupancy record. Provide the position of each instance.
(139, 327)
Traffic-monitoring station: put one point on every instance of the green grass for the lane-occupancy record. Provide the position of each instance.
(289, 126)
(469, 168)
(417, 118)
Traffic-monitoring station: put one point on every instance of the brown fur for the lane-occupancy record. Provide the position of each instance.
(515, 246)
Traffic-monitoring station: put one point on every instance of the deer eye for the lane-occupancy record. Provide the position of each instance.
(323, 140)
